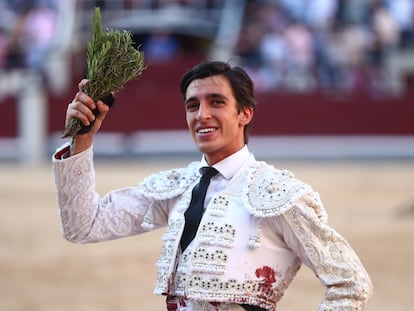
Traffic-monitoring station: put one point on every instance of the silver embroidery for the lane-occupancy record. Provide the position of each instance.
(212, 233)
(272, 191)
(168, 184)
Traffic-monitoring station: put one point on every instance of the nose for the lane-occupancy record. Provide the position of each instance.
(203, 112)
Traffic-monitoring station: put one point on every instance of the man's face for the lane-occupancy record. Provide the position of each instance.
(212, 118)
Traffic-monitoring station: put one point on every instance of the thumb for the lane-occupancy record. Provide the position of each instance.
(100, 117)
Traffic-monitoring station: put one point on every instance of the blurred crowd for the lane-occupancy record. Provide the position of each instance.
(324, 45)
(27, 30)
(286, 45)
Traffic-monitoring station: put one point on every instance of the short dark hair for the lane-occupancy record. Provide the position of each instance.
(240, 83)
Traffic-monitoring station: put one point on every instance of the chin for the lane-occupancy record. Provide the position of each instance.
(206, 148)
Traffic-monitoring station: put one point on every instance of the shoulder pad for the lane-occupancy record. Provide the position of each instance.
(168, 184)
(272, 191)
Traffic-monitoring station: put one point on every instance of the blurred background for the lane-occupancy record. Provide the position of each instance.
(335, 84)
(338, 74)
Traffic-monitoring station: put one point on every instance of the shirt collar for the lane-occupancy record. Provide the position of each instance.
(230, 165)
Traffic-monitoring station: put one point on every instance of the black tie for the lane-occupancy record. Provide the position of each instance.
(195, 211)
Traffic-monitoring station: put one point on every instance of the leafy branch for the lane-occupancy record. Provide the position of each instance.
(112, 61)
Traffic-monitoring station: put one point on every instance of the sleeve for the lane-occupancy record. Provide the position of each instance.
(86, 217)
(328, 254)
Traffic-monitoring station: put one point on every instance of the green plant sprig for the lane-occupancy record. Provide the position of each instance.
(112, 61)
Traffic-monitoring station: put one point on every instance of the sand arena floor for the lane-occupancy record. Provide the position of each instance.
(371, 203)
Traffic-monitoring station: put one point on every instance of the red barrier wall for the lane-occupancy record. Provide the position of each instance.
(154, 103)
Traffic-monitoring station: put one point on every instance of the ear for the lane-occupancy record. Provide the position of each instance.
(246, 116)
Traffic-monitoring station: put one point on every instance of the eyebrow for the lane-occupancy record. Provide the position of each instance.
(208, 96)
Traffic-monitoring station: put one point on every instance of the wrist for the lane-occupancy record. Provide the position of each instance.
(79, 144)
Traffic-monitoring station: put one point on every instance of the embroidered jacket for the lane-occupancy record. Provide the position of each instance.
(252, 239)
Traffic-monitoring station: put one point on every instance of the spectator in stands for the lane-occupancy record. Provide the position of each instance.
(256, 226)
(320, 14)
(6, 17)
(386, 31)
(301, 60)
(274, 53)
(3, 47)
(263, 48)
(403, 13)
(32, 37)
(329, 45)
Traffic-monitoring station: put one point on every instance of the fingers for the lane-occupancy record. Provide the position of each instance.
(81, 108)
(82, 84)
(82, 105)
(86, 110)
(103, 110)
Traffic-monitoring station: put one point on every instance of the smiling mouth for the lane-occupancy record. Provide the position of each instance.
(206, 130)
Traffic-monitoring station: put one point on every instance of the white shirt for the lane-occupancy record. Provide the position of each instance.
(227, 168)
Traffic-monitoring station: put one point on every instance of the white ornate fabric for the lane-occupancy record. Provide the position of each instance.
(251, 242)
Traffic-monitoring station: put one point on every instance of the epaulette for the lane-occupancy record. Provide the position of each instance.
(170, 183)
(272, 191)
